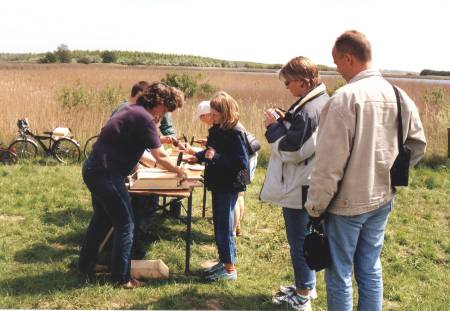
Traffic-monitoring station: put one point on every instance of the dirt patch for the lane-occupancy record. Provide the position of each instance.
(391, 305)
(11, 218)
(58, 246)
(213, 304)
(265, 230)
(208, 248)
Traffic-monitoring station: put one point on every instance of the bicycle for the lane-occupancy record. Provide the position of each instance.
(7, 157)
(61, 145)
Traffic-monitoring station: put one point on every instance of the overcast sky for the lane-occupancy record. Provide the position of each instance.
(405, 35)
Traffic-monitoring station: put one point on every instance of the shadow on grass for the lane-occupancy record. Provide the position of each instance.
(42, 253)
(70, 214)
(164, 228)
(45, 283)
(73, 238)
(435, 162)
(193, 299)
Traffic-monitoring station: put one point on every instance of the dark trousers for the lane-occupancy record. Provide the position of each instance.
(112, 207)
(223, 217)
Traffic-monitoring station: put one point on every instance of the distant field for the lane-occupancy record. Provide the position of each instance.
(34, 91)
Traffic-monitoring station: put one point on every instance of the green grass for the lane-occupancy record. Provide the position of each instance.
(45, 208)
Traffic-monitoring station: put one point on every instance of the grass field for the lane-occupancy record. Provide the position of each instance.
(45, 209)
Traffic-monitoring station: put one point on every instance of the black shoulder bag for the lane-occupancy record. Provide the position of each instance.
(316, 249)
(400, 169)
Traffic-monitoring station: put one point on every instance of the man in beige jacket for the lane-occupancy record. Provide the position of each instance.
(356, 147)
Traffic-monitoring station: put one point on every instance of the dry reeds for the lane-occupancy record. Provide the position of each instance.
(34, 91)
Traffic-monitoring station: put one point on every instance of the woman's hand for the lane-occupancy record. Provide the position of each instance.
(201, 141)
(190, 159)
(209, 153)
(270, 117)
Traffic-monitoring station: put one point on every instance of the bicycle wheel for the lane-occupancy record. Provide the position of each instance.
(7, 157)
(24, 149)
(66, 151)
(88, 146)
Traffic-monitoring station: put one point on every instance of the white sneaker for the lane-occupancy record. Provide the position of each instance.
(289, 289)
(313, 294)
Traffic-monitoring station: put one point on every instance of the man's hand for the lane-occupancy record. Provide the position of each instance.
(167, 140)
(182, 172)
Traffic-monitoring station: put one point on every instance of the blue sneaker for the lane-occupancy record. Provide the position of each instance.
(213, 269)
(290, 289)
(222, 274)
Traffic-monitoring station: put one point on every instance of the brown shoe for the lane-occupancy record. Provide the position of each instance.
(132, 284)
(238, 231)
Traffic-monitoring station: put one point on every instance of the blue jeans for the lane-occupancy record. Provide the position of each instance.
(223, 217)
(112, 207)
(295, 221)
(356, 242)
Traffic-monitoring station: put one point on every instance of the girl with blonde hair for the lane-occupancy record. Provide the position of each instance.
(226, 174)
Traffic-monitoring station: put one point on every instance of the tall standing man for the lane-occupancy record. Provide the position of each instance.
(356, 147)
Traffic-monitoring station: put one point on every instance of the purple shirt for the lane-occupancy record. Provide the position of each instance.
(124, 138)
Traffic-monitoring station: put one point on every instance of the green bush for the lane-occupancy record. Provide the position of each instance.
(206, 89)
(108, 57)
(77, 96)
(190, 84)
(84, 60)
(63, 54)
(80, 96)
(49, 58)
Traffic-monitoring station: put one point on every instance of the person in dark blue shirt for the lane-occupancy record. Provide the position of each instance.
(118, 149)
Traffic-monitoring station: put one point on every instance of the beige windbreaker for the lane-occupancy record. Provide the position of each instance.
(362, 113)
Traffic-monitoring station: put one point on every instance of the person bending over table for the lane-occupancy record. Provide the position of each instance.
(118, 149)
(144, 207)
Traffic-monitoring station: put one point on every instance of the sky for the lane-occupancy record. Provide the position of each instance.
(405, 35)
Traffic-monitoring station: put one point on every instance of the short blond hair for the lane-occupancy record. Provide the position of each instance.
(300, 68)
(355, 43)
(228, 108)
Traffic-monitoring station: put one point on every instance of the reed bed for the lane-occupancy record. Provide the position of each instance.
(34, 91)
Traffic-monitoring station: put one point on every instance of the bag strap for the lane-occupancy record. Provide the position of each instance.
(296, 110)
(399, 120)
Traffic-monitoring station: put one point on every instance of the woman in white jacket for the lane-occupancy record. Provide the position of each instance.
(292, 136)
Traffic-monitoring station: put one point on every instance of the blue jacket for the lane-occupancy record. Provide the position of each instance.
(228, 170)
(293, 144)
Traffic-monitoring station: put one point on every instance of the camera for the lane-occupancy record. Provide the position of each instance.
(274, 114)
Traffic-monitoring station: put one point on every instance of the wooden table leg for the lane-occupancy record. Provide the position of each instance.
(204, 201)
(188, 234)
